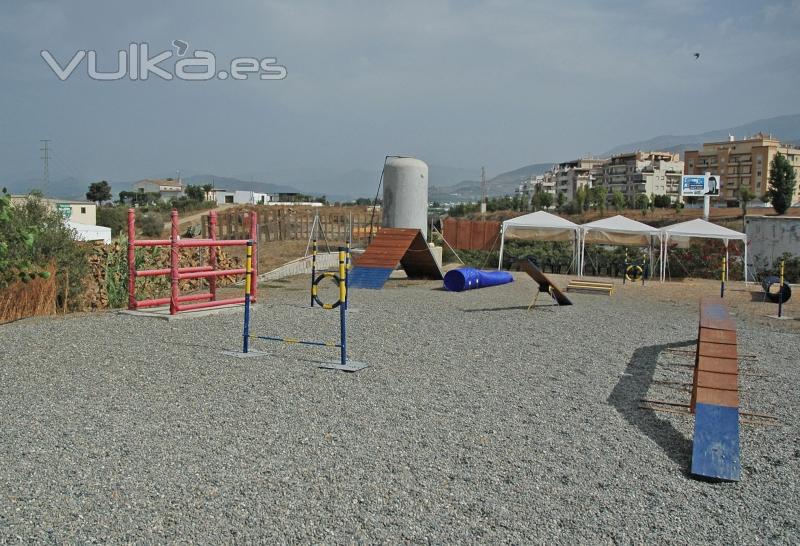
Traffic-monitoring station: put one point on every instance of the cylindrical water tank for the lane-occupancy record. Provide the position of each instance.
(405, 194)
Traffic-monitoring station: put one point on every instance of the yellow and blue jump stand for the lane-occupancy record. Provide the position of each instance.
(341, 280)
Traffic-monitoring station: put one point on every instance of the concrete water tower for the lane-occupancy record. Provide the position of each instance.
(405, 194)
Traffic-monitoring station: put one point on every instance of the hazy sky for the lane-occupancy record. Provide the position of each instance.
(463, 84)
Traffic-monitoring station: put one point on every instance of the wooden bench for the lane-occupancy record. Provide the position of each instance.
(590, 286)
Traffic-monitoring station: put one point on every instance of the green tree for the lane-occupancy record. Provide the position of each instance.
(546, 200)
(618, 200)
(781, 183)
(99, 192)
(151, 224)
(560, 200)
(34, 236)
(643, 203)
(580, 198)
(602, 194)
(195, 193)
(115, 218)
(745, 195)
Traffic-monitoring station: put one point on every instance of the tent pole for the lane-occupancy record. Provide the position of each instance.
(727, 262)
(745, 259)
(502, 240)
(582, 251)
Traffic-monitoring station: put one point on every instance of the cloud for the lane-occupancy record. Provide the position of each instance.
(496, 82)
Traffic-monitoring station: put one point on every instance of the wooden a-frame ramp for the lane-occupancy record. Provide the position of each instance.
(390, 247)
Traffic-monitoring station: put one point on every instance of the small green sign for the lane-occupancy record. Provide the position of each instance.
(65, 209)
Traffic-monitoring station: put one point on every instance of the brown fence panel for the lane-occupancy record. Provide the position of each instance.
(279, 224)
(470, 234)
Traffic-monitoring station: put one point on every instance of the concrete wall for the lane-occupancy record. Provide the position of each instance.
(769, 237)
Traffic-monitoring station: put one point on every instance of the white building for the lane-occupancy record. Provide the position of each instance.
(649, 173)
(168, 188)
(239, 197)
(567, 177)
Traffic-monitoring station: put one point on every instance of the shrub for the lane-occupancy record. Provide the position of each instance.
(115, 218)
(151, 224)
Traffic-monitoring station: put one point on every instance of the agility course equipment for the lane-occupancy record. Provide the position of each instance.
(715, 395)
(468, 278)
(576, 285)
(545, 284)
(176, 273)
(633, 271)
(317, 278)
(341, 279)
(783, 293)
(390, 247)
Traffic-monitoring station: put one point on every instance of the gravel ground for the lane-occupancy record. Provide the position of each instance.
(477, 422)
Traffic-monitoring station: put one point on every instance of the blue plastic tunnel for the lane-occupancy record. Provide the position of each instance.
(467, 278)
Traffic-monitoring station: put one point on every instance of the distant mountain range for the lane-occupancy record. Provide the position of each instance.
(785, 128)
(447, 184)
(502, 184)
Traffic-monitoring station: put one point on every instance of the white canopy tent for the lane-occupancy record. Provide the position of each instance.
(617, 230)
(86, 232)
(700, 229)
(539, 226)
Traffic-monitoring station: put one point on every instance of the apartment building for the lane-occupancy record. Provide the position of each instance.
(635, 173)
(567, 177)
(740, 162)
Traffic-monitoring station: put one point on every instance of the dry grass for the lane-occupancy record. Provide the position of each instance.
(29, 299)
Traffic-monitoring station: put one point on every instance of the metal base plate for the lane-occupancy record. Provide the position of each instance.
(249, 354)
(783, 317)
(351, 366)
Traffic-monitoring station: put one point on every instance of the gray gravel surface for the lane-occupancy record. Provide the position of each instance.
(477, 421)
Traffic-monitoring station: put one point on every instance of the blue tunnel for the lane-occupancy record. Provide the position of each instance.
(467, 278)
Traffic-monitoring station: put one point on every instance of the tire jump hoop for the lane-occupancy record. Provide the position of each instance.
(633, 271)
(316, 279)
(341, 280)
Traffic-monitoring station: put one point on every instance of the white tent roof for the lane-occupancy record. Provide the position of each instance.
(620, 224)
(539, 226)
(618, 230)
(86, 232)
(700, 228)
(540, 220)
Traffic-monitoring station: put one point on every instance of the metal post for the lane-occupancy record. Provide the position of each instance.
(343, 304)
(212, 253)
(247, 288)
(724, 273)
(313, 269)
(625, 268)
(780, 293)
(254, 238)
(131, 259)
(174, 263)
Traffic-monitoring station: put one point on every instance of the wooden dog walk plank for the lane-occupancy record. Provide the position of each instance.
(715, 450)
(722, 381)
(727, 337)
(715, 395)
(718, 365)
(717, 350)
